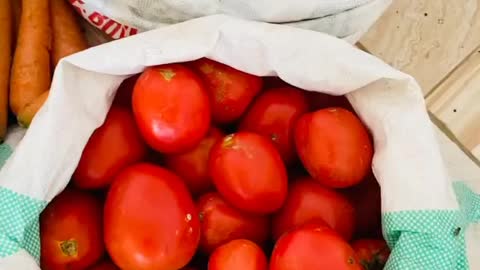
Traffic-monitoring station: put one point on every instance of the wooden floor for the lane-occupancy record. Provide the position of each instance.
(437, 42)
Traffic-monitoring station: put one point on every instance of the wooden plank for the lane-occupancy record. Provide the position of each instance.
(426, 38)
(456, 103)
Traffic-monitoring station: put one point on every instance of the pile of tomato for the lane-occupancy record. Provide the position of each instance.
(201, 166)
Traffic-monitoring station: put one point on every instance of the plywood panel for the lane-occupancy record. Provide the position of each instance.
(456, 103)
(426, 38)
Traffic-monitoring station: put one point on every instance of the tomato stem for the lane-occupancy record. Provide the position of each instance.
(167, 74)
(69, 247)
(274, 137)
(228, 141)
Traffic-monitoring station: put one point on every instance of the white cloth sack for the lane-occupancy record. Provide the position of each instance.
(422, 219)
(347, 19)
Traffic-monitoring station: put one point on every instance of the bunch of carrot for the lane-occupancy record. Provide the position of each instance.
(44, 32)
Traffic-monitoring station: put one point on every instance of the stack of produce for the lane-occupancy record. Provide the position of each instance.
(202, 166)
(34, 36)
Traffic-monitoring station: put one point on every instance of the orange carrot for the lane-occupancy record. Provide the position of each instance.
(17, 13)
(68, 37)
(5, 59)
(31, 63)
(26, 115)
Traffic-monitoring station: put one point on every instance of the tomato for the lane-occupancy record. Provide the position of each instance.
(171, 107)
(221, 223)
(111, 147)
(322, 101)
(307, 200)
(274, 114)
(231, 90)
(192, 166)
(372, 253)
(313, 247)
(365, 198)
(150, 219)
(71, 231)
(334, 147)
(105, 265)
(249, 173)
(123, 98)
(238, 254)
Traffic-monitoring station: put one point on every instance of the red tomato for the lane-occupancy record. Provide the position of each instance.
(313, 247)
(249, 173)
(307, 200)
(105, 265)
(322, 101)
(372, 253)
(231, 90)
(123, 97)
(365, 198)
(221, 223)
(171, 108)
(192, 166)
(71, 231)
(150, 219)
(238, 254)
(274, 114)
(111, 147)
(334, 147)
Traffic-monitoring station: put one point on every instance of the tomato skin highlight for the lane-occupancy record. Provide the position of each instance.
(274, 114)
(221, 223)
(334, 147)
(112, 146)
(157, 203)
(170, 122)
(313, 247)
(308, 200)
(238, 254)
(249, 173)
(192, 166)
(372, 253)
(230, 90)
(71, 233)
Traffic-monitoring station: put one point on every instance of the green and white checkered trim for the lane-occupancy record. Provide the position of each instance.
(469, 201)
(5, 152)
(433, 239)
(425, 240)
(19, 226)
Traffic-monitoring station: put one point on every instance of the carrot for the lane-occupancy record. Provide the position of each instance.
(31, 73)
(68, 37)
(26, 115)
(5, 59)
(17, 13)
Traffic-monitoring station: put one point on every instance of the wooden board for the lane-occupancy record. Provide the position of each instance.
(456, 103)
(426, 38)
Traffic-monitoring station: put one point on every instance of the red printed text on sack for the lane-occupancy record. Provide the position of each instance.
(111, 27)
